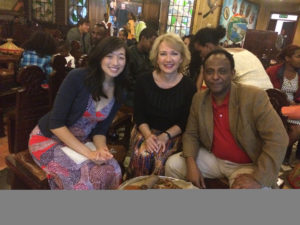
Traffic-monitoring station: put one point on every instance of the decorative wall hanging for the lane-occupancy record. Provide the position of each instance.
(236, 17)
(42, 10)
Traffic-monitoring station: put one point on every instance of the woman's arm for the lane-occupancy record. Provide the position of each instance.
(64, 134)
(165, 136)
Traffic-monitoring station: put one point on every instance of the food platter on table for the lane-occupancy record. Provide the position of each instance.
(155, 182)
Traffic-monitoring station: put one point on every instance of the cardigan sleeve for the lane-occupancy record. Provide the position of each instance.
(65, 98)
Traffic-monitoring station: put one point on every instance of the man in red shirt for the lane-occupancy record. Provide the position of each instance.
(232, 131)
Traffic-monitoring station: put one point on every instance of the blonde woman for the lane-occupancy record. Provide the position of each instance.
(161, 106)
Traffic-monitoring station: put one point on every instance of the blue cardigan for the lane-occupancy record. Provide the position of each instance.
(70, 104)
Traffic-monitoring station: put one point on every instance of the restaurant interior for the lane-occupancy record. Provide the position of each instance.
(254, 25)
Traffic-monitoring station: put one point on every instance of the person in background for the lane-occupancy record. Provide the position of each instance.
(108, 25)
(161, 106)
(141, 25)
(232, 131)
(131, 26)
(281, 40)
(193, 69)
(80, 33)
(86, 103)
(123, 35)
(249, 69)
(139, 61)
(285, 76)
(99, 32)
(187, 39)
(38, 51)
(64, 50)
(121, 16)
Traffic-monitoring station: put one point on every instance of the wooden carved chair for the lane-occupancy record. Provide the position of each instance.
(278, 100)
(32, 102)
(29, 176)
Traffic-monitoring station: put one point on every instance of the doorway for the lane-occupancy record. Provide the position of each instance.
(284, 23)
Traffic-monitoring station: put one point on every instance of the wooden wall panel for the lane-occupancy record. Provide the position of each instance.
(96, 10)
(60, 12)
(151, 12)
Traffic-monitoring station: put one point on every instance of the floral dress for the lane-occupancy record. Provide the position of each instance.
(64, 173)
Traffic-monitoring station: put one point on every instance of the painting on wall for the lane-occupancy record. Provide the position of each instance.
(42, 10)
(236, 17)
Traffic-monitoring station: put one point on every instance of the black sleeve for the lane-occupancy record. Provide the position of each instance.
(139, 102)
(189, 90)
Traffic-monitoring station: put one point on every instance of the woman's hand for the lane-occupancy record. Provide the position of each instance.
(152, 143)
(162, 140)
(100, 155)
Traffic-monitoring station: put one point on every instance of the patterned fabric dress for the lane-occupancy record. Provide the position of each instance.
(148, 163)
(62, 171)
(290, 87)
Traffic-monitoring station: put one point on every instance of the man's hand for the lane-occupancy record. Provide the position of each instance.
(193, 173)
(245, 181)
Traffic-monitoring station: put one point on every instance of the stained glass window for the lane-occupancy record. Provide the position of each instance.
(180, 16)
(77, 9)
(42, 10)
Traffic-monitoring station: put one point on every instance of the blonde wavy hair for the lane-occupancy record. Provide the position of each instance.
(175, 42)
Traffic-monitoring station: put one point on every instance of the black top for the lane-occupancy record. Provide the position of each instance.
(162, 108)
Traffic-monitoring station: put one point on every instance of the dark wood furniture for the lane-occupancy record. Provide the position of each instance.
(279, 99)
(57, 77)
(2, 134)
(8, 67)
(262, 44)
(32, 102)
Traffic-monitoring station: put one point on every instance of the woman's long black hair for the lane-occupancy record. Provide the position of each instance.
(41, 42)
(95, 77)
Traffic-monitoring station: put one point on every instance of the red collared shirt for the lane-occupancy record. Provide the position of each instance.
(224, 146)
